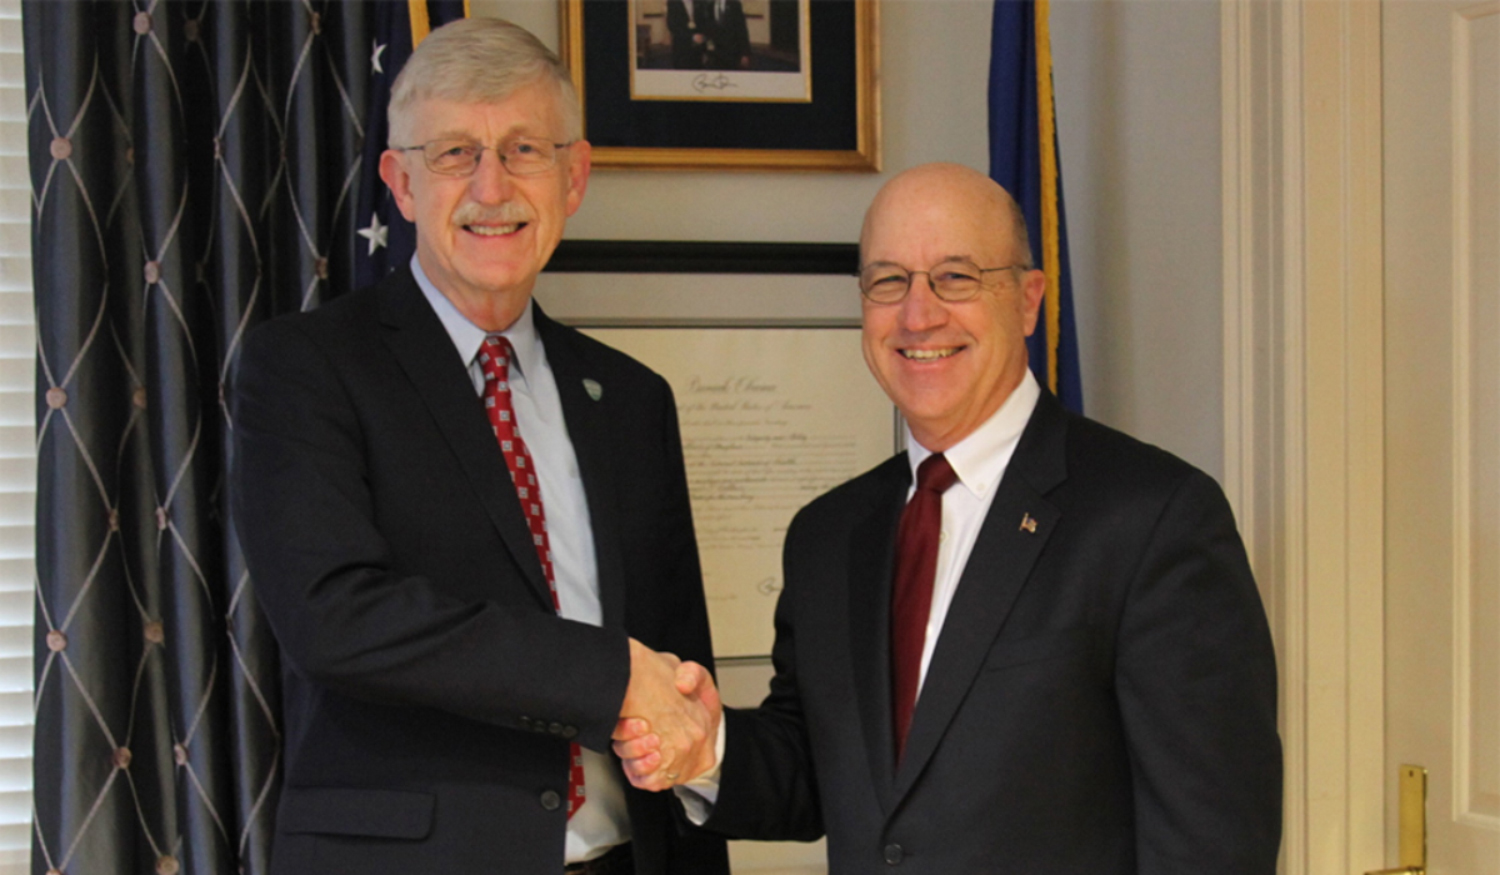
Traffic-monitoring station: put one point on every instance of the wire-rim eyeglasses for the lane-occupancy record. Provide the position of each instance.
(521, 156)
(953, 281)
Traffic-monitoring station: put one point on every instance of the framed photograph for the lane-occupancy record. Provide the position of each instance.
(728, 84)
(707, 50)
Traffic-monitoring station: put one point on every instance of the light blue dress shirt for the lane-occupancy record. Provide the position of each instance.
(602, 822)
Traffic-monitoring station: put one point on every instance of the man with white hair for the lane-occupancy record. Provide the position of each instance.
(468, 525)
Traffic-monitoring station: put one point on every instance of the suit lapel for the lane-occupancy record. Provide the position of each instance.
(422, 347)
(869, 586)
(998, 567)
(588, 422)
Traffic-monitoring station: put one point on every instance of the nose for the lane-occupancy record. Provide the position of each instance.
(491, 182)
(922, 309)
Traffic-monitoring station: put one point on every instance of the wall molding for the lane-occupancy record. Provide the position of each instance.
(1303, 356)
(1470, 808)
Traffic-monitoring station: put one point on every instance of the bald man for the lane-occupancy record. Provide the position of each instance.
(1029, 643)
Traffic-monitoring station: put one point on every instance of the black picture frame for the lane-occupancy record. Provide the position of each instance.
(666, 256)
(839, 129)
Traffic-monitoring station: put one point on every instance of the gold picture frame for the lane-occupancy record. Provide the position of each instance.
(837, 130)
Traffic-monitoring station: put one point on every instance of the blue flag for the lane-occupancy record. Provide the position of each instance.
(386, 240)
(1023, 158)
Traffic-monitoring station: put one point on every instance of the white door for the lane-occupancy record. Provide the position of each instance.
(1441, 85)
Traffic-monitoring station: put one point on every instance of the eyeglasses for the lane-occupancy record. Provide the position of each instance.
(952, 281)
(521, 156)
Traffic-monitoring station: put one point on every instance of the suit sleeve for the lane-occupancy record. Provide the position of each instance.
(768, 789)
(739, 32)
(1196, 683)
(677, 22)
(344, 616)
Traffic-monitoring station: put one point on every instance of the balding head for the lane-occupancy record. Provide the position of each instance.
(948, 365)
(963, 188)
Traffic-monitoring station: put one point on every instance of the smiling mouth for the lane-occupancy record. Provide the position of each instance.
(930, 355)
(495, 230)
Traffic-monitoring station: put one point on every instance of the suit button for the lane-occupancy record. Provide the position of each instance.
(893, 854)
(555, 729)
(525, 722)
(550, 800)
(570, 732)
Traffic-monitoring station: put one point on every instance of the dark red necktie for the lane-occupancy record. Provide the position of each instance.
(494, 360)
(911, 598)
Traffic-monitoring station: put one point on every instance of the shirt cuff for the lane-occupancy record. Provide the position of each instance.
(699, 795)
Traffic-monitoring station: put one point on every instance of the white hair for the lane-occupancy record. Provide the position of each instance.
(478, 60)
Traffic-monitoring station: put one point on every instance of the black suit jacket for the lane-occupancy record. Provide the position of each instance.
(729, 34)
(430, 690)
(686, 54)
(1101, 700)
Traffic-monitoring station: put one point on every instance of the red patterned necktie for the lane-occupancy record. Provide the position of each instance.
(494, 359)
(911, 598)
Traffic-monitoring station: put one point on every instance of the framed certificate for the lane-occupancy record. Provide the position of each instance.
(771, 418)
(761, 345)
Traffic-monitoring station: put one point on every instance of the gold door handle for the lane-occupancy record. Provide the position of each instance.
(1413, 827)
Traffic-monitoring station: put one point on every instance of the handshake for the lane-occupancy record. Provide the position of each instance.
(669, 721)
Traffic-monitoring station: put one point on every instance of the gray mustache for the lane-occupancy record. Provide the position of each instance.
(503, 214)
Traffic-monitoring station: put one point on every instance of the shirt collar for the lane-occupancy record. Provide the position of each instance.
(468, 337)
(979, 460)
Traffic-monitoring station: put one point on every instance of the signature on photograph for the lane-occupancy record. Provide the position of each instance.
(706, 82)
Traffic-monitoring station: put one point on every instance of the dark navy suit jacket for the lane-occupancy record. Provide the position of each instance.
(430, 690)
(1101, 701)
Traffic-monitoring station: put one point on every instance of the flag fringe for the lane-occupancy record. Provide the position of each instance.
(421, 24)
(1047, 133)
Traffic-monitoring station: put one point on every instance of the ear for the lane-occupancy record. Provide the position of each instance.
(397, 178)
(1033, 287)
(580, 162)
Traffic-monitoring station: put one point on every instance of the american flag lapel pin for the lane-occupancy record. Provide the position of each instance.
(1028, 524)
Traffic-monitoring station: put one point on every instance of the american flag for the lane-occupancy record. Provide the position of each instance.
(1024, 159)
(387, 240)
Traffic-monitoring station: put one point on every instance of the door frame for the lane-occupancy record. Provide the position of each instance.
(1303, 390)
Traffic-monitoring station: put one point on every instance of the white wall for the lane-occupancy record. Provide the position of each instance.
(1138, 116)
(1138, 122)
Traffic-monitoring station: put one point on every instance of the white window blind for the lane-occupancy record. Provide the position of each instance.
(17, 454)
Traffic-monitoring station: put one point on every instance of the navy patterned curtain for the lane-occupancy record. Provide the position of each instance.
(196, 168)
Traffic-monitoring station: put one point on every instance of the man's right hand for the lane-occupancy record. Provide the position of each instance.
(669, 722)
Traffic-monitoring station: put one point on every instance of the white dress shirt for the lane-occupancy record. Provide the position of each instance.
(980, 461)
(602, 822)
